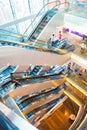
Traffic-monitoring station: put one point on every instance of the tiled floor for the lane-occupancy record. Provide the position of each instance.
(77, 42)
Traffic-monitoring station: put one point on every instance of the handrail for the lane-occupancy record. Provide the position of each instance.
(36, 76)
(10, 35)
(15, 37)
(8, 31)
(10, 39)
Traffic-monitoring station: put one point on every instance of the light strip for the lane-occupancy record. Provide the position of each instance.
(77, 86)
(72, 98)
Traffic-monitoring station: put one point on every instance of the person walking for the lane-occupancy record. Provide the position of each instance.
(83, 47)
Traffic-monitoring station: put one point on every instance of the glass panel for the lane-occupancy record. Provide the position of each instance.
(11, 29)
(36, 5)
(5, 12)
(9, 34)
(36, 20)
(21, 8)
(23, 26)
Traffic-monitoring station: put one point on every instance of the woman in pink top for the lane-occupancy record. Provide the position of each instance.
(60, 35)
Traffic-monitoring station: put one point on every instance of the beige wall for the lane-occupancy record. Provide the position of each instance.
(23, 57)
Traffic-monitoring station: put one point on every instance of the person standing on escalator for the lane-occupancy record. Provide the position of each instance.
(21, 38)
(52, 39)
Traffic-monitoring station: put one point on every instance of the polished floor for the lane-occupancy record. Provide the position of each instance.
(60, 116)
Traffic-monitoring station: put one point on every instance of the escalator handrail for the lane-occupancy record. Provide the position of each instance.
(41, 10)
(8, 31)
(18, 36)
(37, 76)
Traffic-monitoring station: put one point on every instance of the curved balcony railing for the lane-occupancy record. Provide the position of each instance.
(8, 36)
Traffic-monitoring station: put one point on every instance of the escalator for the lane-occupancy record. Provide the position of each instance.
(6, 88)
(59, 47)
(36, 76)
(42, 46)
(18, 83)
(25, 103)
(32, 75)
(36, 70)
(43, 94)
(41, 25)
(8, 38)
(45, 18)
(48, 106)
(6, 71)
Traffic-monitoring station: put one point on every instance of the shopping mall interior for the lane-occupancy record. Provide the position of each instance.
(43, 68)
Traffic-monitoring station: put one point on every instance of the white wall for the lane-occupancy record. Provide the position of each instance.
(75, 23)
